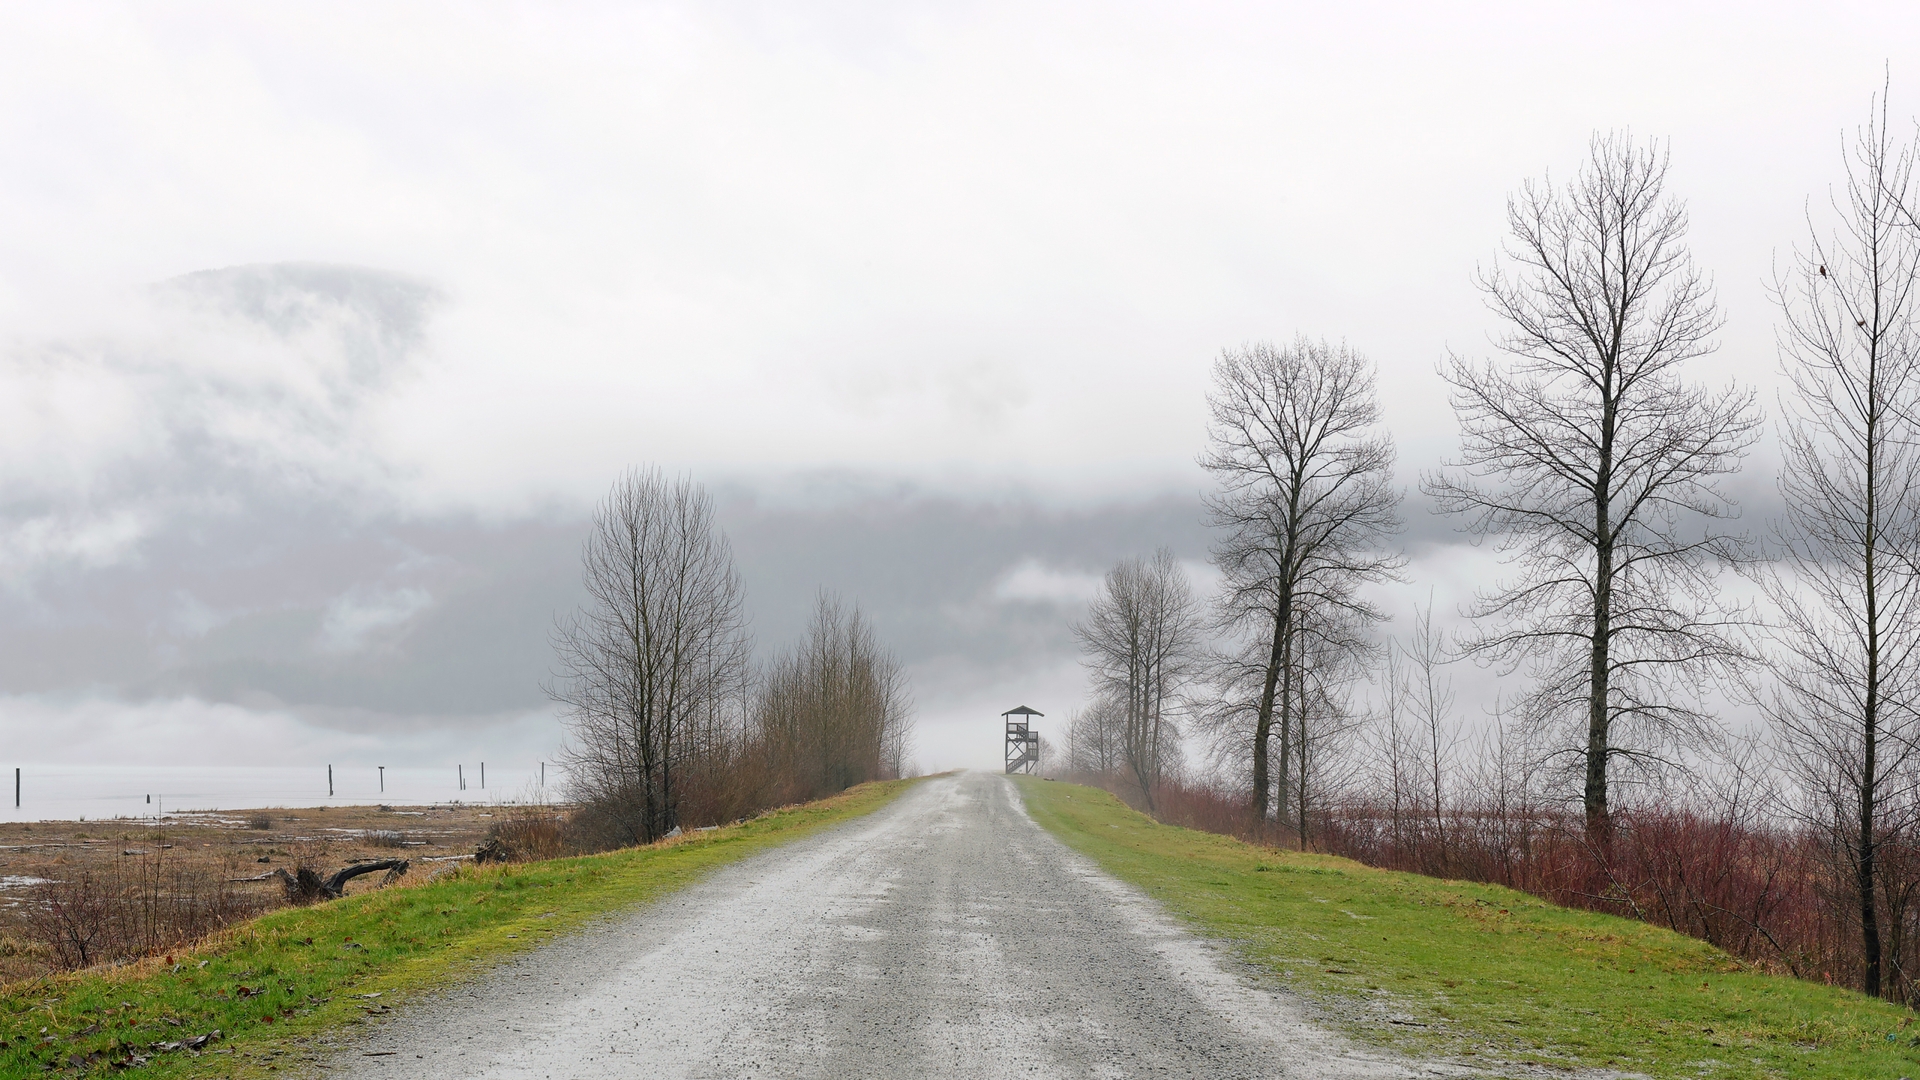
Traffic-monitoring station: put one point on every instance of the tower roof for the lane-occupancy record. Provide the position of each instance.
(1023, 711)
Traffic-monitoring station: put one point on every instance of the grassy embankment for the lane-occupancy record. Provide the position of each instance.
(1486, 971)
(271, 984)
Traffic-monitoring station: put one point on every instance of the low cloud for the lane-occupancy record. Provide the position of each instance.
(353, 619)
(1031, 581)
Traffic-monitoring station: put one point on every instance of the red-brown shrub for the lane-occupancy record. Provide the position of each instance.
(1768, 894)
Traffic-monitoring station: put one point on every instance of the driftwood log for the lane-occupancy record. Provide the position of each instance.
(306, 886)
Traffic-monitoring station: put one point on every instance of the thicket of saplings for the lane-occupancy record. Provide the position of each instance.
(670, 725)
(1630, 610)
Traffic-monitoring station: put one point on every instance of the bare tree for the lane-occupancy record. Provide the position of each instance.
(1330, 647)
(1846, 695)
(1094, 736)
(1396, 753)
(1429, 698)
(658, 647)
(1417, 743)
(1596, 465)
(1304, 506)
(1140, 640)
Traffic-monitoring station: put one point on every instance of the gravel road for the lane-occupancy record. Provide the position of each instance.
(945, 935)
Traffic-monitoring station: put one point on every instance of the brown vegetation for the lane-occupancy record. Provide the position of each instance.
(134, 907)
(1780, 898)
(670, 726)
(79, 893)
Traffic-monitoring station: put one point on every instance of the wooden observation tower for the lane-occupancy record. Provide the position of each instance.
(1023, 743)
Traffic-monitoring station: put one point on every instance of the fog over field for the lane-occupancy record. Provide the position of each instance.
(323, 327)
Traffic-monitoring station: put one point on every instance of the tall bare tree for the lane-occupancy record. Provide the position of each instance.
(1847, 680)
(1141, 642)
(1304, 508)
(658, 648)
(1596, 465)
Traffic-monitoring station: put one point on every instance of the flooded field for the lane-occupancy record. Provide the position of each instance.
(222, 846)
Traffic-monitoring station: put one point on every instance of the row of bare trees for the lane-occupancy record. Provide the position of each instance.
(1139, 639)
(1846, 643)
(1595, 464)
(670, 723)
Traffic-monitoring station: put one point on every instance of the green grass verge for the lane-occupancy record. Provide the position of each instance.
(272, 984)
(1488, 971)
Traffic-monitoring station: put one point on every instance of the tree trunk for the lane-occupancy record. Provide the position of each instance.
(1864, 882)
(1599, 825)
(1599, 718)
(1285, 679)
(1865, 870)
(1263, 719)
(1300, 718)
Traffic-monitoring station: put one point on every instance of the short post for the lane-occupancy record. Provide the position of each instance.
(16, 787)
(461, 772)
(329, 781)
(383, 778)
(483, 776)
(543, 775)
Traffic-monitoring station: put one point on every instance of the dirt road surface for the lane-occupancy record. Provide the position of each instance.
(945, 935)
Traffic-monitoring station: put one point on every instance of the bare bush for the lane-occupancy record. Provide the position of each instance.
(141, 906)
(532, 832)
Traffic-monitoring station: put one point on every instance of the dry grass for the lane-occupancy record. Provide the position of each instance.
(139, 905)
(191, 885)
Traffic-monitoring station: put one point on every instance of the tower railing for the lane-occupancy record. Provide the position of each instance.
(1023, 743)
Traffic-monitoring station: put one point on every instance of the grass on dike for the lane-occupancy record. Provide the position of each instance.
(1490, 972)
(271, 984)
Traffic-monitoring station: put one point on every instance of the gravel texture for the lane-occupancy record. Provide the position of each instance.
(944, 935)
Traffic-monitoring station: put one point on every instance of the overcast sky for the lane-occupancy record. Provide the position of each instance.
(323, 326)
